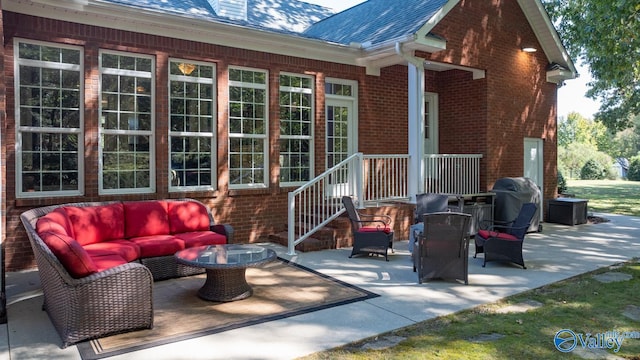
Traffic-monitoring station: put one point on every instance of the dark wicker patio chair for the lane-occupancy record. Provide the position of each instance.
(430, 203)
(427, 203)
(371, 233)
(443, 247)
(503, 242)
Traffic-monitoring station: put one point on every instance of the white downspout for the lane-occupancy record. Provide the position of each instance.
(416, 119)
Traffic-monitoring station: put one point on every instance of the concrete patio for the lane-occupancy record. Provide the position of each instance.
(559, 252)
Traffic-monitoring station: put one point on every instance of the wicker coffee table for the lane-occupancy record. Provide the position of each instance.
(225, 266)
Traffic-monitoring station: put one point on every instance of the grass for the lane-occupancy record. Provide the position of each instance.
(581, 304)
(608, 196)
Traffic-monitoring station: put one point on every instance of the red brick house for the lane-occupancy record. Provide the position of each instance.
(239, 102)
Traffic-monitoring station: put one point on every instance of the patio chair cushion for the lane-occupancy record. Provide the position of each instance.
(126, 249)
(70, 253)
(187, 217)
(384, 229)
(55, 221)
(107, 261)
(485, 234)
(200, 238)
(93, 224)
(158, 245)
(146, 218)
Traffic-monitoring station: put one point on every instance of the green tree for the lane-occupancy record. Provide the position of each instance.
(576, 128)
(634, 169)
(604, 35)
(626, 143)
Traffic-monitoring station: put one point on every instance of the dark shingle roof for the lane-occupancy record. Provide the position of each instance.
(376, 21)
(279, 15)
(373, 21)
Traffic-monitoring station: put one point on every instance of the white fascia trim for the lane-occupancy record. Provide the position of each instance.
(155, 23)
(534, 10)
(424, 31)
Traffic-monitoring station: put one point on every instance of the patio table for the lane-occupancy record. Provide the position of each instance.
(225, 266)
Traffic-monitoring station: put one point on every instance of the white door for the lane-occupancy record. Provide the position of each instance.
(533, 164)
(341, 143)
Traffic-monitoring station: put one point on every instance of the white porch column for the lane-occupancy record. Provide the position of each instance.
(416, 127)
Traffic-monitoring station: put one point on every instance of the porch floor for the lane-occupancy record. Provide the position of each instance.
(559, 252)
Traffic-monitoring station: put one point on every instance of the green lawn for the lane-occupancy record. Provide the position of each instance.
(609, 196)
(581, 303)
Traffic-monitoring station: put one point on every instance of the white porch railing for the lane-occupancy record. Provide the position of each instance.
(373, 178)
(452, 174)
(385, 177)
(316, 203)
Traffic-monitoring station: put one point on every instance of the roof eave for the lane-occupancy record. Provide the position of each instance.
(378, 56)
(549, 40)
(91, 12)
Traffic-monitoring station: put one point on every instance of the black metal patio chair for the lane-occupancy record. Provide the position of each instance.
(503, 242)
(372, 234)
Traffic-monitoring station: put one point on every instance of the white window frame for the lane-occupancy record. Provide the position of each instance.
(353, 124)
(264, 138)
(175, 183)
(102, 132)
(311, 92)
(19, 129)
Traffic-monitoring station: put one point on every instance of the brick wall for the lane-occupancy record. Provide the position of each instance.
(486, 116)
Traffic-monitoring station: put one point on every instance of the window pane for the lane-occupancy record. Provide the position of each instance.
(127, 122)
(296, 119)
(49, 119)
(192, 108)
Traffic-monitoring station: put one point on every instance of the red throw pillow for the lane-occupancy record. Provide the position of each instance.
(187, 216)
(70, 254)
(385, 229)
(145, 218)
(94, 224)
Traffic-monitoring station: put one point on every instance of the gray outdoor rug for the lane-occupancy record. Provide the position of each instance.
(280, 289)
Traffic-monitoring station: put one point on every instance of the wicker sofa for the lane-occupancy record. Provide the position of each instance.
(97, 261)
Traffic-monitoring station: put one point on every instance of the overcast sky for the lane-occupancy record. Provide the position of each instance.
(570, 96)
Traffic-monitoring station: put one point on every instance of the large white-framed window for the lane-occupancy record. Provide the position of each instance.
(127, 147)
(192, 127)
(49, 97)
(296, 128)
(248, 128)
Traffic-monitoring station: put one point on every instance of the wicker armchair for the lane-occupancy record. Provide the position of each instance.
(108, 302)
(443, 247)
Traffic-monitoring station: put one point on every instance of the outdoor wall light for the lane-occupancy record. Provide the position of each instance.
(529, 49)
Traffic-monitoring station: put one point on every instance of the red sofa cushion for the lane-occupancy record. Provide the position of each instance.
(386, 229)
(199, 238)
(485, 234)
(95, 224)
(158, 245)
(70, 254)
(126, 249)
(145, 218)
(107, 261)
(55, 221)
(188, 216)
